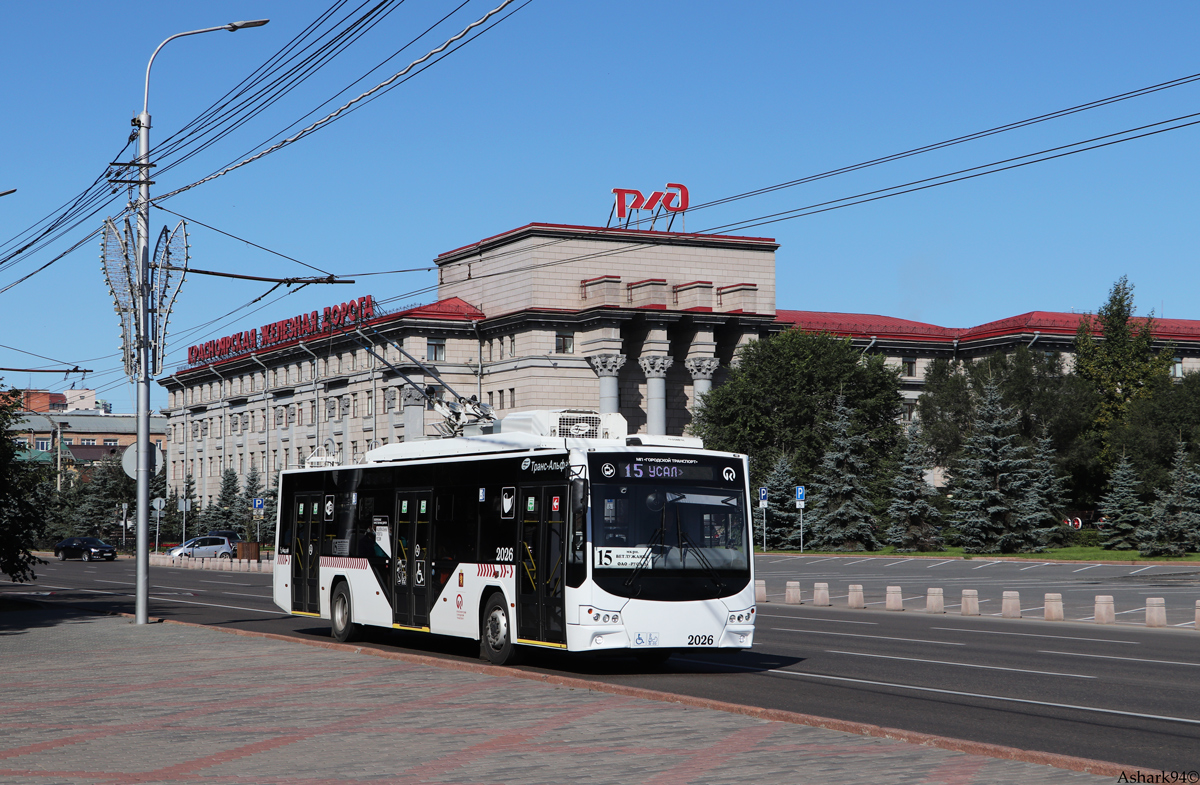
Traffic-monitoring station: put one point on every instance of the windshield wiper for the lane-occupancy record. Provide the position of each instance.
(683, 541)
(655, 539)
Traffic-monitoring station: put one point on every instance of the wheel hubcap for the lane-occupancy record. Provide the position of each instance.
(497, 629)
(339, 613)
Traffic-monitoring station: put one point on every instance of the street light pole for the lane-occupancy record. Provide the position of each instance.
(145, 465)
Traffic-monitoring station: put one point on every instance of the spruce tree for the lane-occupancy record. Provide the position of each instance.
(1174, 525)
(1124, 513)
(915, 523)
(1042, 504)
(187, 524)
(842, 518)
(783, 519)
(990, 482)
(225, 511)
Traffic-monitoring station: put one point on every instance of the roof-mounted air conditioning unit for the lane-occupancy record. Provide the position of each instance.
(566, 424)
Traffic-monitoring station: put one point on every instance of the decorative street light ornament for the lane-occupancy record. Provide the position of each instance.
(166, 276)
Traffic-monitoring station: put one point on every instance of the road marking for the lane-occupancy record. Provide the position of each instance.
(1081, 569)
(1030, 567)
(902, 599)
(1135, 572)
(989, 697)
(178, 588)
(1126, 659)
(860, 561)
(817, 618)
(259, 596)
(940, 563)
(122, 583)
(897, 562)
(989, 564)
(228, 583)
(877, 637)
(827, 558)
(960, 664)
(1034, 635)
(187, 602)
(1135, 610)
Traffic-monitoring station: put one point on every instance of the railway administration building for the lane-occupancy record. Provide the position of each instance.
(541, 317)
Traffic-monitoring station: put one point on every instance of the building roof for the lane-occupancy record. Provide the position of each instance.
(76, 423)
(857, 325)
(450, 308)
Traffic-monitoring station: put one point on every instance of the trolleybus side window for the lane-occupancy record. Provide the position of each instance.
(497, 525)
(577, 536)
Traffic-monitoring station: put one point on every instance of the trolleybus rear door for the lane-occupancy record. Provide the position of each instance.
(540, 571)
(410, 559)
(306, 553)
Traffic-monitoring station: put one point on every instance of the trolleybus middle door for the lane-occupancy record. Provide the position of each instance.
(540, 564)
(410, 559)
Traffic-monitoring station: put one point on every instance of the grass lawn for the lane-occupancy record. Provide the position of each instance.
(1076, 553)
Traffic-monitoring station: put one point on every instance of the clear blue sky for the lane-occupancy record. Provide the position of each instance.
(541, 117)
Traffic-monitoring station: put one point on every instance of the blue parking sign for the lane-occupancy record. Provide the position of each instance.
(258, 504)
(799, 493)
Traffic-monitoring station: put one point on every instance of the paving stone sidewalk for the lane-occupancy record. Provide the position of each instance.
(94, 699)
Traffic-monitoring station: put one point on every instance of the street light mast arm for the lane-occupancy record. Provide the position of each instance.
(232, 27)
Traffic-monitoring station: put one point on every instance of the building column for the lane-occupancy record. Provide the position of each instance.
(655, 367)
(413, 404)
(701, 369)
(607, 366)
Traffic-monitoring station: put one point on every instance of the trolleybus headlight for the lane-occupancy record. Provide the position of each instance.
(605, 618)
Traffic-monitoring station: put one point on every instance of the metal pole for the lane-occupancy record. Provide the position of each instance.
(802, 530)
(157, 527)
(764, 529)
(144, 291)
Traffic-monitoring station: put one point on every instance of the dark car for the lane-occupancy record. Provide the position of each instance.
(86, 548)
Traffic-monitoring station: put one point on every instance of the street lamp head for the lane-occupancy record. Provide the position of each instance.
(234, 26)
(9, 191)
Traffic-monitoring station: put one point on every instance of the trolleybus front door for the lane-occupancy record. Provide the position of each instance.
(410, 559)
(540, 570)
(306, 553)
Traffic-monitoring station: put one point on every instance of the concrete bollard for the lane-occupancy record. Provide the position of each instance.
(1010, 607)
(821, 596)
(1156, 612)
(1054, 609)
(1104, 609)
(791, 594)
(934, 602)
(760, 591)
(895, 599)
(970, 602)
(856, 597)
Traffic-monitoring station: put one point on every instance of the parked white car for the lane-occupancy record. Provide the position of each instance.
(206, 548)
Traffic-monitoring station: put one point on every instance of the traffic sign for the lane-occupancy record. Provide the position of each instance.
(129, 461)
(158, 502)
(762, 497)
(258, 504)
(799, 493)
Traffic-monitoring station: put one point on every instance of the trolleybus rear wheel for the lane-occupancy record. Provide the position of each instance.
(340, 615)
(495, 633)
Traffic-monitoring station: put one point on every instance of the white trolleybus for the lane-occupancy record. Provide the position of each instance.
(556, 530)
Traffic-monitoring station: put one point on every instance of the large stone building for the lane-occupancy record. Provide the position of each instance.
(540, 317)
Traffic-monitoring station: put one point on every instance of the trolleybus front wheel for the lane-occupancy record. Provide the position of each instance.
(495, 632)
(340, 615)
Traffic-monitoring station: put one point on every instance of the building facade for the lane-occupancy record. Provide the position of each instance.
(541, 317)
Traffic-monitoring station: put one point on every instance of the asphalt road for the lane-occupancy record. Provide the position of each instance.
(1119, 693)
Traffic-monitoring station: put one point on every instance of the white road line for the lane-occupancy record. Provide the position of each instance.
(860, 561)
(1081, 569)
(1185, 720)
(177, 588)
(902, 599)
(257, 596)
(227, 583)
(961, 664)
(1030, 567)
(1135, 610)
(1034, 635)
(877, 637)
(897, 562)
(1186, 623)
(121, 583)
(1126, 659)
(939, 563)
(818, 618)
(989, 564)
(164, 599)
(827, 558)
(1135, 572)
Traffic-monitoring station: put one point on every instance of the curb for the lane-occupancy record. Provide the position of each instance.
(1054, 760)
(974, 557)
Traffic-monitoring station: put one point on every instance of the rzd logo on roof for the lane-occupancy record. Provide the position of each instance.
(673, 198)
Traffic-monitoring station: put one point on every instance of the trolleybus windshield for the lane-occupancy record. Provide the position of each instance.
(668, 534)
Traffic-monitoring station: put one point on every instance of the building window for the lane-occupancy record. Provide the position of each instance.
(502, 399)
(68, 441)
(512, 346)
(369, 407)
(88, 442)
(435, 350)
(564, 343)
(490, 345)
(491, 400)
(110, 442)
(909, 366)
(44, 444)
(908, 411)
(1177, 368)
(512, 397)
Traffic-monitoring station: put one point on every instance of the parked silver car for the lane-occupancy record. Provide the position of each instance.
(206, 548)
